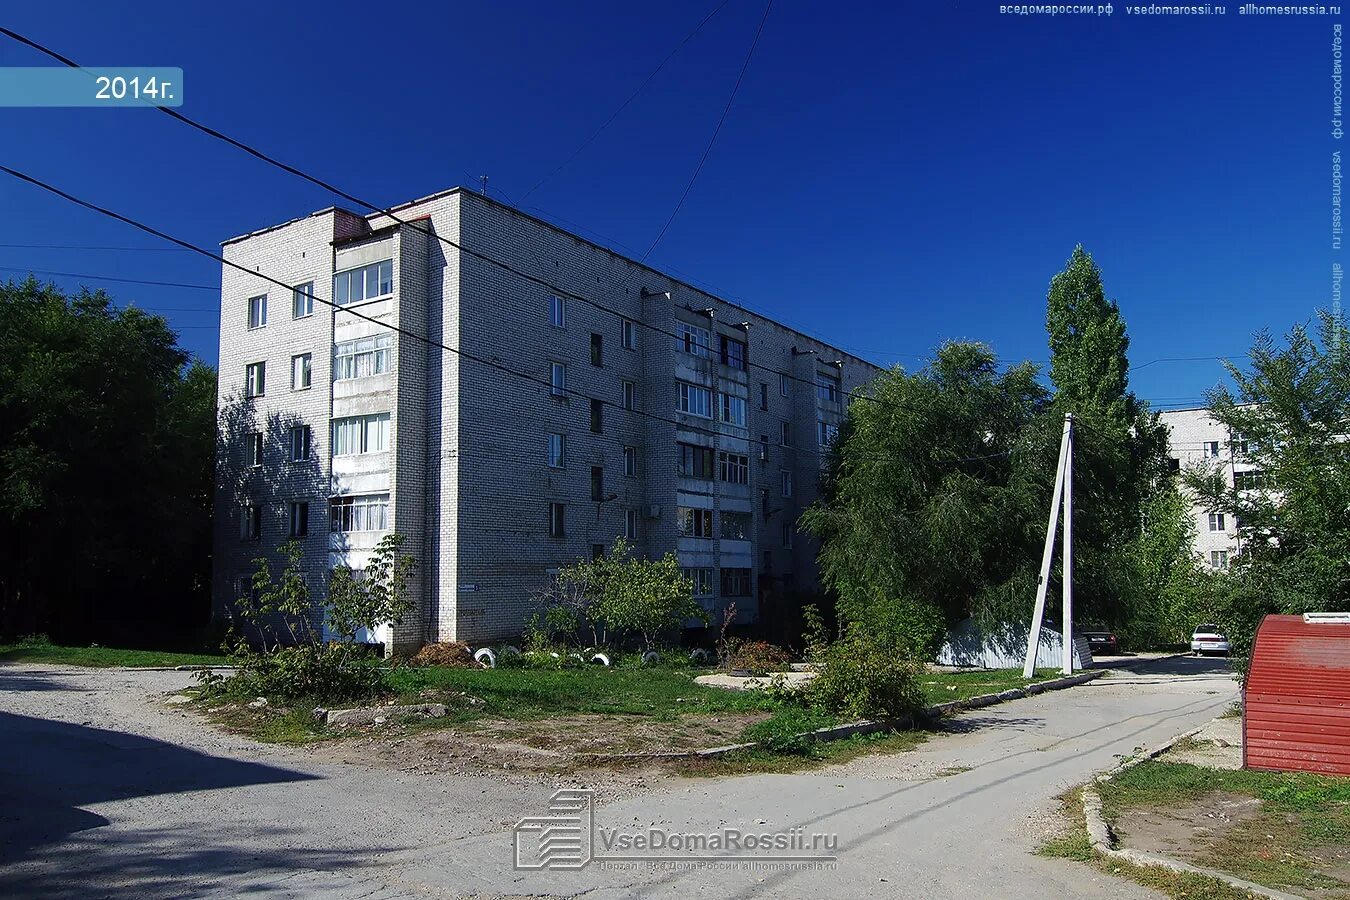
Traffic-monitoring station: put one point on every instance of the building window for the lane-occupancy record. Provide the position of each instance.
(363, 357)
(1216, 522)
(254, 447)
(783, 387)
(787, 482)
(735, 526)
(628, 334)
(597, 483)
(250, 522)
(299, 519)
(826, 433)
(1173, 465)
(788, 531)
(1253, 480)
(763, 395)
(364, 283)
(694, 340)
(630, 524)
(827, 387)
(300, 440)
(257, 311)
(597, 416)
(597, 551)
(786, 437)
(301, 365)
(1218, 559)
(629, 461)
(255, 379)
(696, 462)
(735, 582)
(700, 580)
(302, 300)
(363, 512)
(361, 434)
(733, 410)
(557, 311)
(1240, 445)
(597, 350)
(733, 467)
(557, 450)
(694, 522)
(557, 378)
(1212, 448)
(557, 516)
(731, 352)
(695, 400)
(763, 448)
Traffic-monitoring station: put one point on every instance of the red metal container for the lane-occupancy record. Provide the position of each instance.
(1297, 711)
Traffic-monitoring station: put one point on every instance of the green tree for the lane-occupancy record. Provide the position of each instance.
(929, 502)
(379, 596)
(106, 445)
(1288, 416)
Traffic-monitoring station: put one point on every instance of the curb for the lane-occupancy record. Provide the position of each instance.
(1104, 842)
(869, 726)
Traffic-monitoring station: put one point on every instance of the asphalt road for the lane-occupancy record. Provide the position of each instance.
(107, 792)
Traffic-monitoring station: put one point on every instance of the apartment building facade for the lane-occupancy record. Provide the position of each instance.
(509, 399)
(1199, 442)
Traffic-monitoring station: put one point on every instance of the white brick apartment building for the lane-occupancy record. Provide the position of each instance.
(1198, 440)
(670, 416)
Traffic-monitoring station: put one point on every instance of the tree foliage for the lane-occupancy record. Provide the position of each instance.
(1289, 418)
(106, 443)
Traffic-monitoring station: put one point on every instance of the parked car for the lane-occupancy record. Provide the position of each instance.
(1209, 639)
(1100, 640)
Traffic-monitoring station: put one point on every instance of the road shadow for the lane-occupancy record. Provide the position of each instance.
(49, 770)
(1175, 665)
(964, 723)
(14, 680)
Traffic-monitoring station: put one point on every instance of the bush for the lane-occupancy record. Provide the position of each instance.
(863, 677)
(783, 731)
(758, 657)
(322, 673)
(451, 654)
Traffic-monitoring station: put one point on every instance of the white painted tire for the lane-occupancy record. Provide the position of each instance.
(486, 658)
(508, 650)
(699, 656)
(651, 657)
(601, 659)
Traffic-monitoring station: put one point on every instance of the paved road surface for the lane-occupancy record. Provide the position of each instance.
(106, 792)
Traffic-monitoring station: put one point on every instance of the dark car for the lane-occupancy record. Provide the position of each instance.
(1100, 640)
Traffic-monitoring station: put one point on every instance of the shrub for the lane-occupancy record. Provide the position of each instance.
(783, 731)
(452, 654)
(758, 657)
(320, 672)
(864, 677)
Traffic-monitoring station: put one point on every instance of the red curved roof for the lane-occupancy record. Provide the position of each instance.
(1297, 709)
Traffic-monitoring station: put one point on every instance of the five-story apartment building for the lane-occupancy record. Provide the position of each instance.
(509, 397)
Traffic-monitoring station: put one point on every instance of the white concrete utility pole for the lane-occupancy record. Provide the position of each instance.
(1063, 496)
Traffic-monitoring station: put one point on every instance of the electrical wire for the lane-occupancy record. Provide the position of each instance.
(176, 284)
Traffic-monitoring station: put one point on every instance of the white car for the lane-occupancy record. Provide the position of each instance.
(1209, 639)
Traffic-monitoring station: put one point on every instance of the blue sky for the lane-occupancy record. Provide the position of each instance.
(890, 175)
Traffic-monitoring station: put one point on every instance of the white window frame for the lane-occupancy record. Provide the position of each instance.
(629, 392)
(783, 387)
(1217, 522)
(733, 464)
(733, 410)
(301, 439)
(1218, 559)
(1212, 449)
(685, 400)
(695, 340)
(305, 364)
(828, 387)
(630, 462)
(298, 525)
(557, 378)
(254, 449)
(363, 357)
(557, 450)
(695, 522)
(628, 334)
(371, 433)
(701, 580)
(557, 311)
(345, 282)
(255, 379)
(366, 510)
(302, 300)
(826, 433)
(557, 520)
(630, 524)
(257, 312)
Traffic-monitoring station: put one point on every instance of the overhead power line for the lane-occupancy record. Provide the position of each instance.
(88, 247)
(176, 284)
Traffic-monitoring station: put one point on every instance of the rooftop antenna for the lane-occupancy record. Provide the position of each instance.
(483, 189)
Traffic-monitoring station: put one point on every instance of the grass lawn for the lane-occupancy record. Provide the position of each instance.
(1297, 836)
(944, 687)
(102, 657)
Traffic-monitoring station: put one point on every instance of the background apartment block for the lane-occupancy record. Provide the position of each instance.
(670, 417)
(1198, 442)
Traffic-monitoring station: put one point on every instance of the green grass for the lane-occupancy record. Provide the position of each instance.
(1302, 818)
(758, 761)
(944, 687)
(40, 651)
